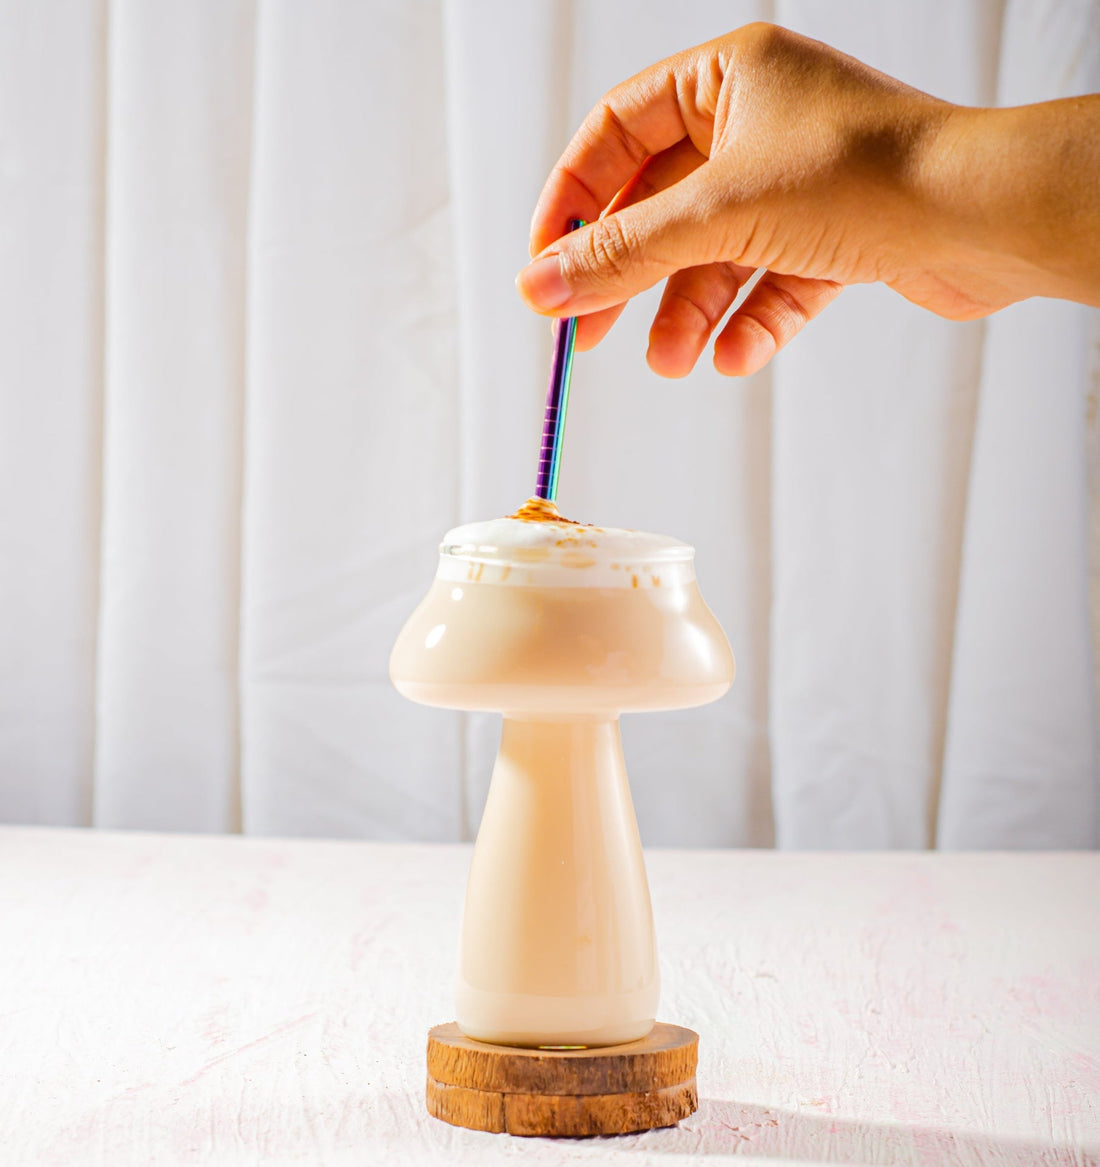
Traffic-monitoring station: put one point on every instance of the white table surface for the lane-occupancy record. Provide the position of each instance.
(169, 999)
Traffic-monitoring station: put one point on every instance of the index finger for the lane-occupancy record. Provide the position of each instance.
(635, 120)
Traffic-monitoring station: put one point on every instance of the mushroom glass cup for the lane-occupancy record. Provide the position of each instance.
(561, 627)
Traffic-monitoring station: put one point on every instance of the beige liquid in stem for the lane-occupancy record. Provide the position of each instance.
(558, 945)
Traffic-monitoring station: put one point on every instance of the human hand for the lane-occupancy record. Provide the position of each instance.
(764, 149)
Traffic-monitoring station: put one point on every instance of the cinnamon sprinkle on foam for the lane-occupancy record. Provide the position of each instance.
(541, 510)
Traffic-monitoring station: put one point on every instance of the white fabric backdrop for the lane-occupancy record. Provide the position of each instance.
(259, 348)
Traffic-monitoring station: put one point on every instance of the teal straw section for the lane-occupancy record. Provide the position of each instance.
(569, 325)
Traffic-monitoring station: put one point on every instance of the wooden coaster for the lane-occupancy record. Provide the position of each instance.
(606, 1091)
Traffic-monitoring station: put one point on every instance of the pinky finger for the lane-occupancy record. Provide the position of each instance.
(772, 314)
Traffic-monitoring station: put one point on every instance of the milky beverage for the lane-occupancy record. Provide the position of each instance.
(561, 627)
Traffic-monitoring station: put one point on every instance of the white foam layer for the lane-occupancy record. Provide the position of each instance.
(521, 553)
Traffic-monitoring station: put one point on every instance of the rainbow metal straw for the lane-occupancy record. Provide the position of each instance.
(557, 402)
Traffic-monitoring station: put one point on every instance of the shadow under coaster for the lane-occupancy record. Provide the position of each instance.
(610, 1090)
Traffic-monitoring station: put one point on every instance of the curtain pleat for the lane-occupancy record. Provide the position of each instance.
(1020, 765)
(52, 121)
(351, 451)
(179, 129)
(261, 348)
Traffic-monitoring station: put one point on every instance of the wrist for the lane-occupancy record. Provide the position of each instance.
(1012, 192)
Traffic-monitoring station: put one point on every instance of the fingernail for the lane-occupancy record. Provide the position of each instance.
(541, 284)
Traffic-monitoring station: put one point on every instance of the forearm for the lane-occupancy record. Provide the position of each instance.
(1021, 186)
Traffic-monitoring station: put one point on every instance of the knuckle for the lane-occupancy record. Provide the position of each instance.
(783, 314)
(611, 125)
(690, 313)
(762, 326)
(606, 251)
(759, 40)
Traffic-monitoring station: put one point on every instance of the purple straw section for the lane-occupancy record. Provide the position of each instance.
(553, 423)
(557, 402)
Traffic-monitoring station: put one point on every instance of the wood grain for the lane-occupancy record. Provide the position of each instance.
(610, 1090)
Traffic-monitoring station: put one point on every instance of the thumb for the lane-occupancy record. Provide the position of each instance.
(626, 252)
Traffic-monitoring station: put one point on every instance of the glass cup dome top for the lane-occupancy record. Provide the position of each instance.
(547, 616)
